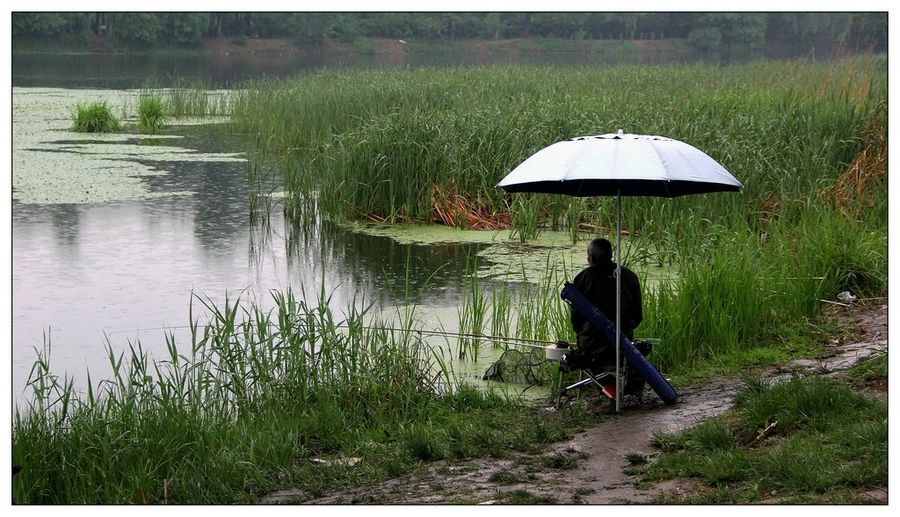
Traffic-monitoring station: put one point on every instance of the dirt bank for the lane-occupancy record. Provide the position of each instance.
(590, 467)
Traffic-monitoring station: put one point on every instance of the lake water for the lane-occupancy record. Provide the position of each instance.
(124, 270)
(113, 235)
(135, 71)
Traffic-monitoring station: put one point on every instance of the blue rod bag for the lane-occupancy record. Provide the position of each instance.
(637, 361)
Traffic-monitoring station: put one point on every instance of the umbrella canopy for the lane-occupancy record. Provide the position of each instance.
(620, 164)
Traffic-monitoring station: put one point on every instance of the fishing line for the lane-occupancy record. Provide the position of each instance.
(518, 341)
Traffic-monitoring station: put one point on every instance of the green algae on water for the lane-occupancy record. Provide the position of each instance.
(505, 258)
(51, 164)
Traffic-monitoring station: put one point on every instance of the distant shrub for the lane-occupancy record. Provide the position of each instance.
(95, 117)
(151, 113)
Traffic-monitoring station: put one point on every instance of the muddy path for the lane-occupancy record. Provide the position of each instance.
(591, 467)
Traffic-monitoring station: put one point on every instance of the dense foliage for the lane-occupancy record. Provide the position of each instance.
(258, 401)
(731, 31)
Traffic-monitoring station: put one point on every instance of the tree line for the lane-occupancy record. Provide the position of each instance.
(706, 31)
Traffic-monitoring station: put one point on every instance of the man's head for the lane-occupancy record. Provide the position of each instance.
(599, 251)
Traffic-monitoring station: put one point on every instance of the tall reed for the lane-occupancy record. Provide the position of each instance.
(195, 98)
(259, 400)
(151, 112)
(472, 314)
(379, 143)
(737, 290)
(501, 311)
(290, 372)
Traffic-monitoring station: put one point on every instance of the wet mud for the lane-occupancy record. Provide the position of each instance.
(592, 467)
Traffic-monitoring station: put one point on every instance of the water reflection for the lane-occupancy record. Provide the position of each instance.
(65, 222)
(397, 273)
(126, 270)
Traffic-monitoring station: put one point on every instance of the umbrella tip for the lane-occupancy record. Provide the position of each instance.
(620, 132)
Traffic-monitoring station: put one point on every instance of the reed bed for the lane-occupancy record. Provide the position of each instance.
(195, 99)
(259, 400)
(379, 143)
(424, 145)
(739, 297)
(189, 98)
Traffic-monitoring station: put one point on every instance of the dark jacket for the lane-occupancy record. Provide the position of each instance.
(597, 283)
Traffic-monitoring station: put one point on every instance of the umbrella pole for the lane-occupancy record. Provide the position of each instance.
(618, 296)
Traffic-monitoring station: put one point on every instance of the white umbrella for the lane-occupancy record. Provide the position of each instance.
(620, 164)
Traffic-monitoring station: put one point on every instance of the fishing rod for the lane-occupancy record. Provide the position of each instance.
(514, 341)
(517, 341)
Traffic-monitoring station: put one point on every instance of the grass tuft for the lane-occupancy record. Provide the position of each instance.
(525, 497)
(151, 113)
(95, 117)
(871, 369)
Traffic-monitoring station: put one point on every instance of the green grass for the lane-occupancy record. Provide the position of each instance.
(152, 113)
(505, 477)
(188, 98)
(738, 293)
(870, 369)
(800, 440)
(258, 401)
(95, 117)
(524, 497)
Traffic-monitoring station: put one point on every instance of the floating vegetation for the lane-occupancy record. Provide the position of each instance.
(427, 234)
(506, 258)
(51, 164)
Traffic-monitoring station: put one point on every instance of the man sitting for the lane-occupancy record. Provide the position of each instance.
(597, 283)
